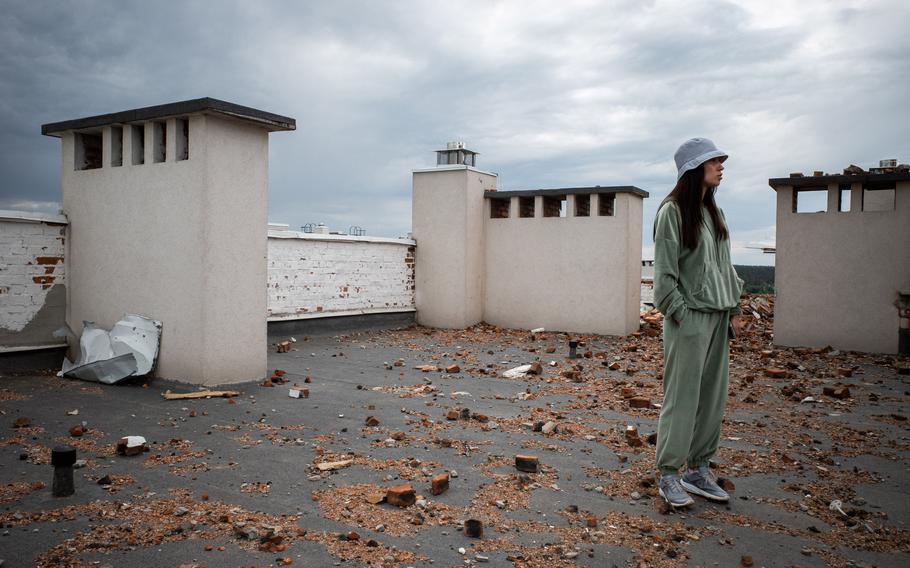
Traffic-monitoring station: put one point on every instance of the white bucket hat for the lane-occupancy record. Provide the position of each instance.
(695, 152)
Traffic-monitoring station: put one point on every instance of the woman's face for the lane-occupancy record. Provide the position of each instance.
(713, 172)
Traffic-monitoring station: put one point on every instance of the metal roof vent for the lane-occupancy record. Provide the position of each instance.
(456, 154)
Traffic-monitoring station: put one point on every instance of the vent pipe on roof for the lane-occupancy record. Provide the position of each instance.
(456, 154)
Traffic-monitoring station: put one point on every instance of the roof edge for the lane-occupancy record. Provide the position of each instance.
(272, 122)
(814, 181)
(567, 190)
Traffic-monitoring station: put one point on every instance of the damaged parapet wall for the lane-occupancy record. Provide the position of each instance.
(563, 259)
(839, 268)
(32, 280)
(167, 206)
(314, 275)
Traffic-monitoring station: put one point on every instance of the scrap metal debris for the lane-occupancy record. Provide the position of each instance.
(129, 349)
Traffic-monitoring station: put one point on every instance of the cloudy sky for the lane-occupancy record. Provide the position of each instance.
(553, 94)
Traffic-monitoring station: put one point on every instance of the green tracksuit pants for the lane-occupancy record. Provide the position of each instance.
(696, 374)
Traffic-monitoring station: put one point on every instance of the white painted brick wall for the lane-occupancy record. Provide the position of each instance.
(31, 262)
(319, 275)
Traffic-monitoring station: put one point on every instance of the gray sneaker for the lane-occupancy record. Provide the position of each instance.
(702, 482)
(672, 491)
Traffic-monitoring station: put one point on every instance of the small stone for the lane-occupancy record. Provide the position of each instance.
(452, 415)
(372, 421)
(181, 511)
(548, 428)
(22, 422)
(77, 431)
(746, 561)
(591, 521)
(453, 369)
(635, 495)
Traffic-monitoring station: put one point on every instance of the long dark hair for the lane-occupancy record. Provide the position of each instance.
(687, 195)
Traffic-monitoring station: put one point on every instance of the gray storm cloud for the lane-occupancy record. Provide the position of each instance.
(551, 94)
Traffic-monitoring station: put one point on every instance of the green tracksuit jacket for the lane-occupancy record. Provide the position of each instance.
(697, 291)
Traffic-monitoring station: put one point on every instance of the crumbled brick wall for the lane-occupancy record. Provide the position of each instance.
(32, 270)
(308, 276)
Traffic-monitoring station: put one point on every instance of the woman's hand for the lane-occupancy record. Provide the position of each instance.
(737, 322)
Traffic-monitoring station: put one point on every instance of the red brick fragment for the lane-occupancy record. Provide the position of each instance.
(440, 484)
(453, 369)
(632, 437)
(639, 402)
(401, 496)
(837, 391)
(77, 431)
(776, 372)
(372, 421)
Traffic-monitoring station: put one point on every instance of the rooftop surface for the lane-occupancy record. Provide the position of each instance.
(817, 483)
(268, 120)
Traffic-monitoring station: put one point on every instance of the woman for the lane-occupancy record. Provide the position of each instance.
(697, 290)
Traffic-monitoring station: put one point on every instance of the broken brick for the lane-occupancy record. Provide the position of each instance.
(372, 421)
(726, 484)
(776, 372)
(837, 391)
(473, 528)
(527, 464)
(639, 402)
(453, 369)
(452, 415)
(77, 431)
(591, 521)
(22, 422)
(632, 437)
(128, 447)
(440, 484)
(401, 496)
(746, 561)
(536, 369)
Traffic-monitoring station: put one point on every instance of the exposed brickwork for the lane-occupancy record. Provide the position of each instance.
(345, 275)
(31, 263)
